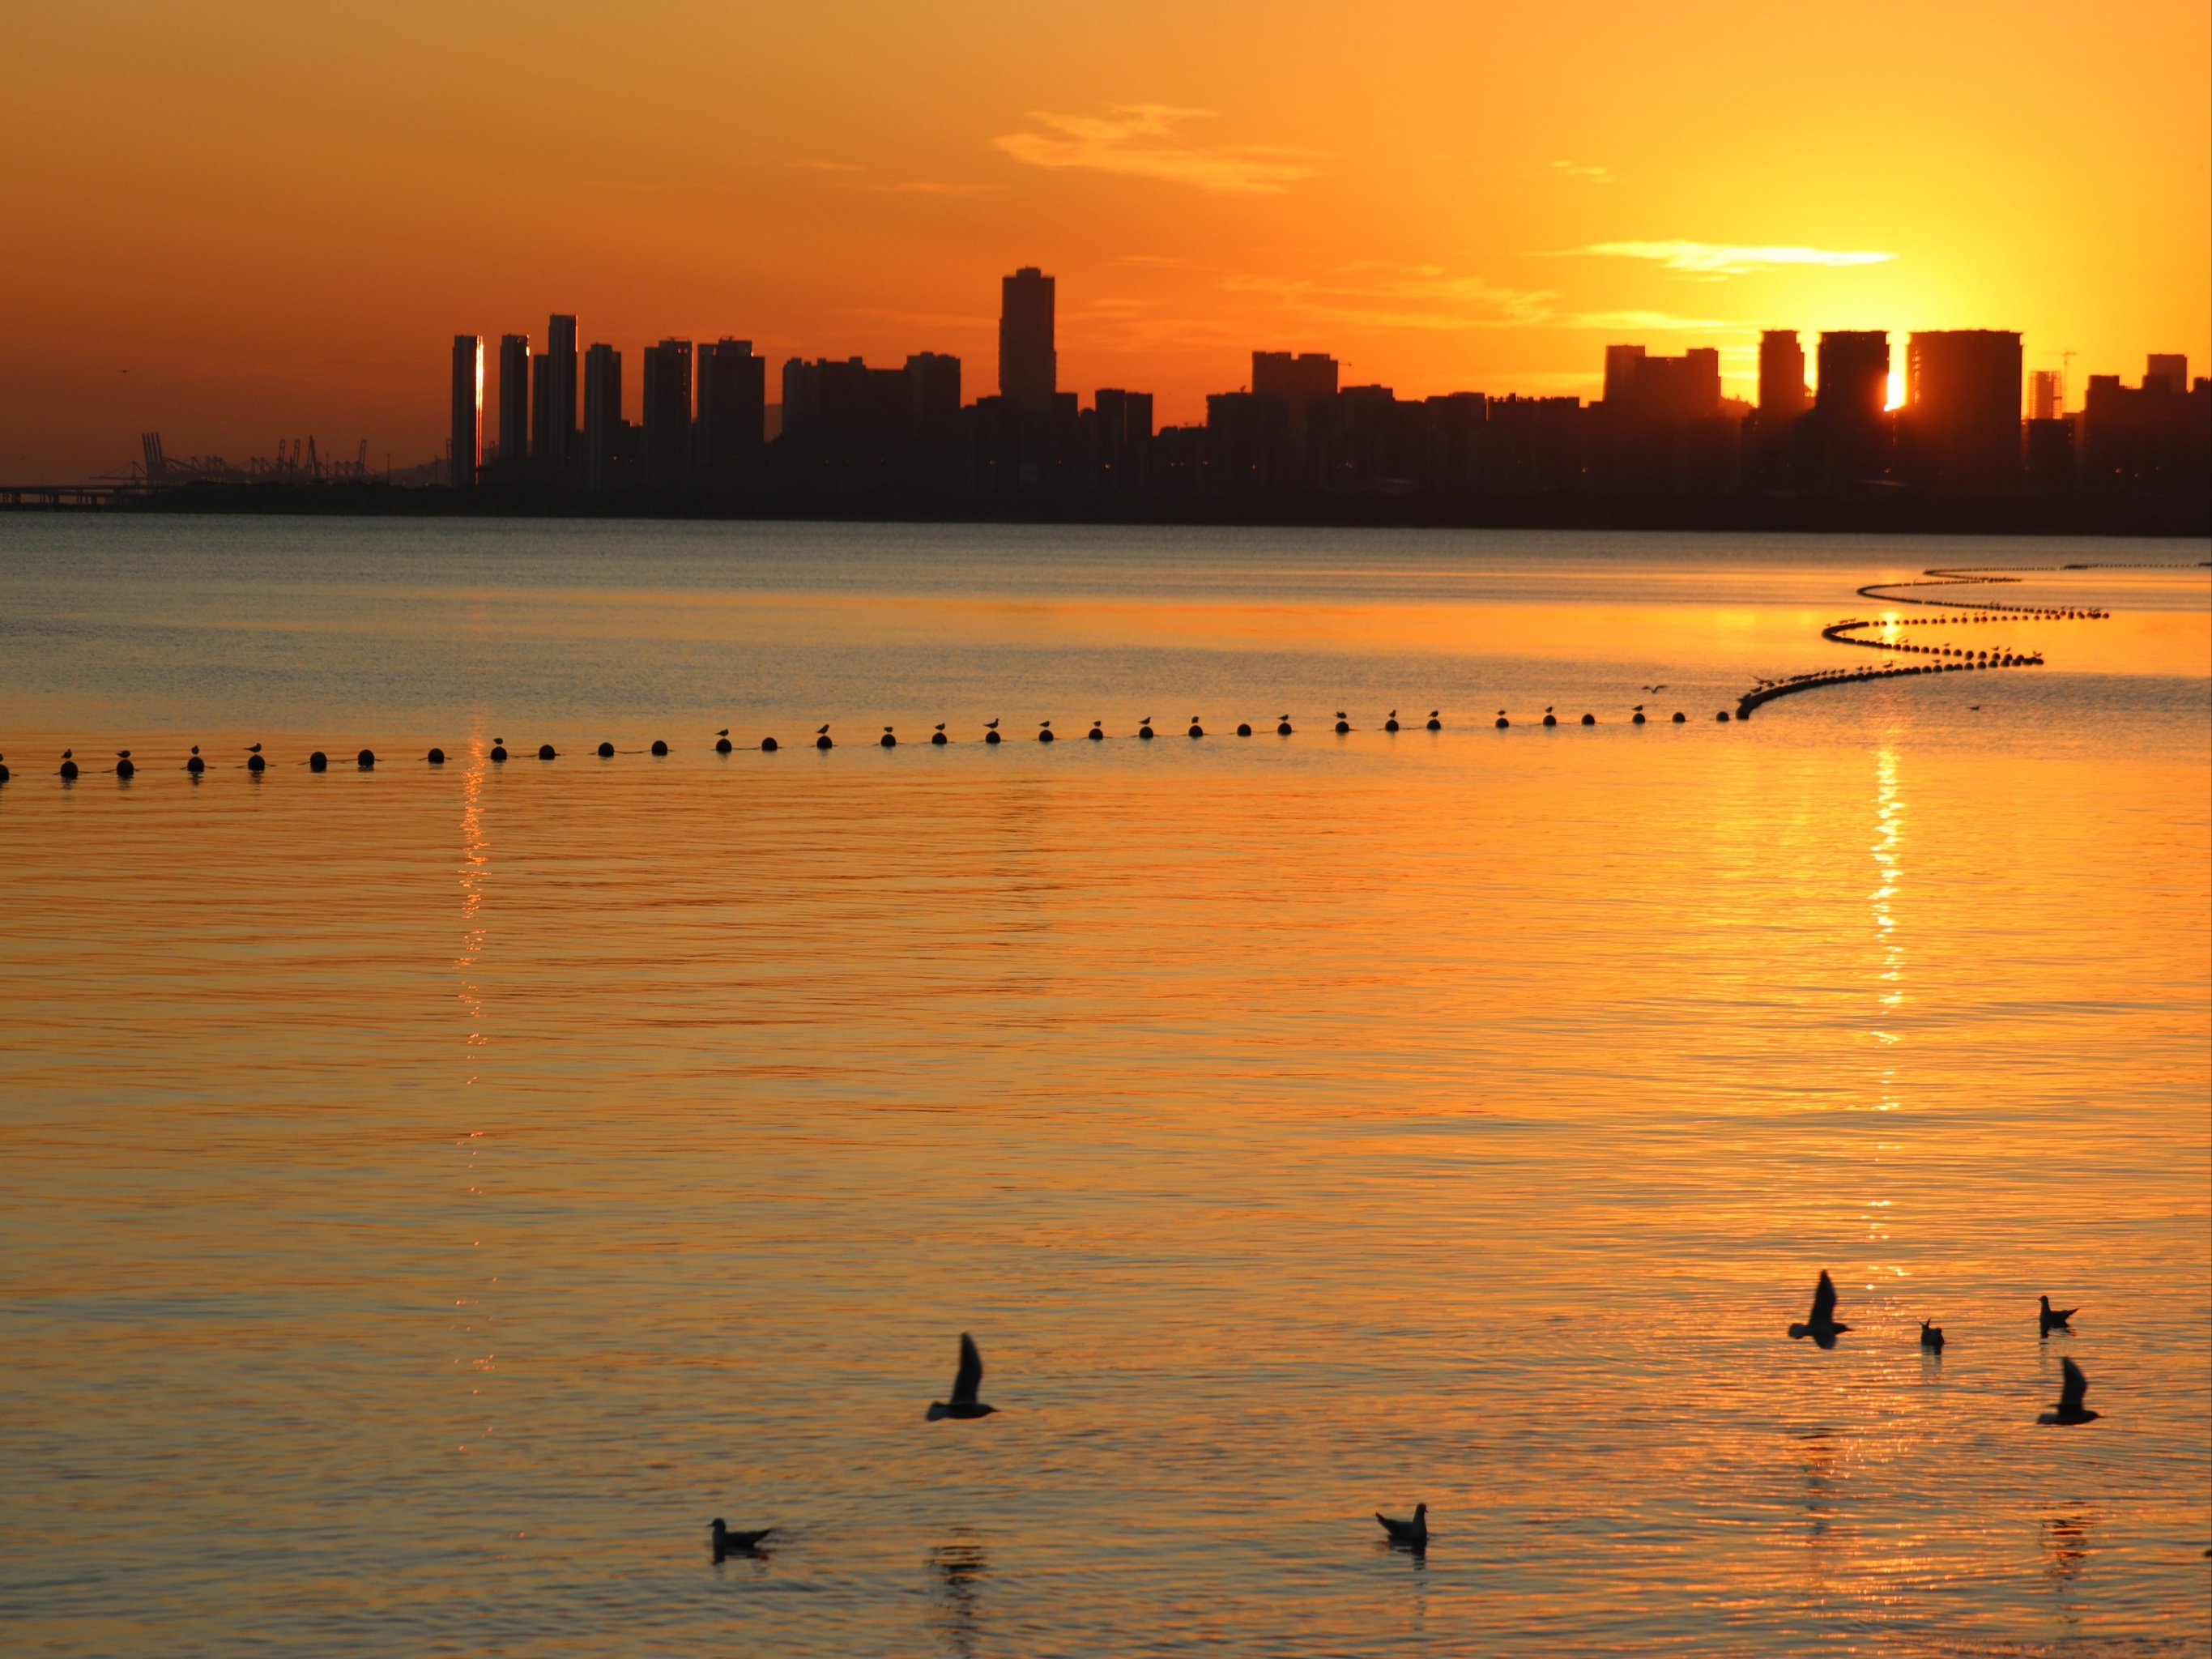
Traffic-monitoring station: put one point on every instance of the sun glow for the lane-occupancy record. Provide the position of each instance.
(1896, 389)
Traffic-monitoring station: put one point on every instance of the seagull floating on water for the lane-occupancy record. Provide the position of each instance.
(736, 1543)
(1931, 1337)
(965, 1381)
(1414, 1534)
(2055, 1319)
(2069, 1409)
(1822, 1326)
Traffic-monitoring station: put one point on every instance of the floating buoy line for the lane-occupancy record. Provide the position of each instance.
(1944, 659)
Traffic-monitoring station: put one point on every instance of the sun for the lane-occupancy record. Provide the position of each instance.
(1896, 389)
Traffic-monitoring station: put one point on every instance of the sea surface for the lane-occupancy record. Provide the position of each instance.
(429, 1195)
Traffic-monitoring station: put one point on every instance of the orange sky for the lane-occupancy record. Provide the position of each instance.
(233, 222)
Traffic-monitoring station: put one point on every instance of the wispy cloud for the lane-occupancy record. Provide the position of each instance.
(1142, 141)
(1592, 172)
(825, 167)
(1406, 296)
(932, 187)
(1731, 259)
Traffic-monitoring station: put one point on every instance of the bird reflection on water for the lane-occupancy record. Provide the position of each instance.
(957, 1570)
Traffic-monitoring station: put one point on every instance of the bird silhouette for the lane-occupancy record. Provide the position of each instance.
(820, 730)
(1931, 1337)
(2069, 1409)
(736, 1543)
(2055, 1319)
(990, 725)
(1652, 690)
(965, 1381)
(723, 733)
(252, 747)
(1414, 1534)
(1822, 1326)
(123, 754)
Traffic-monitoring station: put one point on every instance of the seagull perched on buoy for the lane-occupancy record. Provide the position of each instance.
(2055, 1319)
(1822, 1326)
(1414, 1534)
(2069, 1409)
(965, 1381)
(736, 1543)
(1931, 1337)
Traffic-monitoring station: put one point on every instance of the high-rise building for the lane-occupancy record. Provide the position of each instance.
(603, 421)
(555, 450)
(667, 413)
(1301, 380)
(935, 378)
(1961, 420)
(1854, 367)
(1781, 395)
(466, 440)
(2171, 366)
(514, 403)
(733, 409)
(1029, 367)
(2046, 394)
(1620, 361)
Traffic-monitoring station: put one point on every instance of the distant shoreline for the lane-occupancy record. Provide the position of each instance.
(1874, 513)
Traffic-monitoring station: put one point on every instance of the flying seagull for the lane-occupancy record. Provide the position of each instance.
(2070, 1409)
(736, 1543)
(965, 1381)
(1822, 1326)
(2055, 1319)
(1654, 689)
(1414, 1534)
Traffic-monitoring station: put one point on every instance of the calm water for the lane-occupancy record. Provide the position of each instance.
(427, 1197)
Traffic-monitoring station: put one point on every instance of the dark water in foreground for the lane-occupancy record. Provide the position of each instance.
(428, 1197)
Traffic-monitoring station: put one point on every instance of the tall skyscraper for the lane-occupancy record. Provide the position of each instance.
(514, 404)
(667, 412)
(732, 404)
(556, 454)
(1029, 367)
(2046, 394)
(1854, 375)
(1648, 388)
(1961, 419)
(466, 437)
(936, 380)
(2171, 366)
(1301, 381)
(602, 415)
(1782, 395)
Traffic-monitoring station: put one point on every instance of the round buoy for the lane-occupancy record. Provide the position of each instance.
(546, 751)
(1589, 720)
(1435, 724)
(939, 739)
(1722, 716)
(768, 745)
(1044, 734)
(196, 766)
(255, 763)
(887, 740)
(606, 751)
(1283, 729)
(499, 751)
(1680, 717)
(822, 742)
(1551, 719)
(1242, 729)
(1342, 728)
(366, 759)
(1636, 718)
(317, 761)
(69, 771)
(4, 775)
(722, 745)
(659, 747)
(1145, 731)
(991, 736)
(437, 757)
(1196, 730)
(1503, 722)
(124, 768)
(1390, 725)
(1094, 734)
